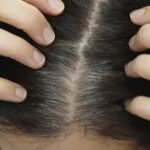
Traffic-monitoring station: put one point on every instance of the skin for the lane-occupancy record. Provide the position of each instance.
(72, 139)
(25, 15)
(139, 67)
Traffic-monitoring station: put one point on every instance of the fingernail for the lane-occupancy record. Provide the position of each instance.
(128, 67)
(48, 35)
(38, 58)
(136, 14)
(131, 42)
(20, 93)
(57, 5)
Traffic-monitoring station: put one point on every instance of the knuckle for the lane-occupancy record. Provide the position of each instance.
(138, 99)
(1, 80)
(1, 30)
(143, 32)
(2, 83)
(32, 19)
(138, 63)
(144, 35)
(35, 15)
(147, 12)
(147, 8)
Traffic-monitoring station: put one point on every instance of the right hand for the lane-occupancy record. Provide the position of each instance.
(25, 15)
(140, 66)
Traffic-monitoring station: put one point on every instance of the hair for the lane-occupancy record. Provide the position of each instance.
(83, 81)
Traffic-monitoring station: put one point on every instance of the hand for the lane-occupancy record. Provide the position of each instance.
(140, 66)
(25, 15)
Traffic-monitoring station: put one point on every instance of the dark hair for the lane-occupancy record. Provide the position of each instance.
(83, 81)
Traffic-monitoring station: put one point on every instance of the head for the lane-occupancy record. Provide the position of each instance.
(76, 100)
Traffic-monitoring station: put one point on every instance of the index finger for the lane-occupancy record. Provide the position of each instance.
(28, 18)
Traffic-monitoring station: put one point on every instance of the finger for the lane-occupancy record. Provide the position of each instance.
(12, 92)
(28, 18)
(52, 7)
(20, 50)
(139, 106)
(139, 67)
(141, 16)
(140, 41)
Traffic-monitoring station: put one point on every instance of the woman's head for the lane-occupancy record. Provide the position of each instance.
(83, 84)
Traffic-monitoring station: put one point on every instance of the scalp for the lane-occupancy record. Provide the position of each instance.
(83, 81)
